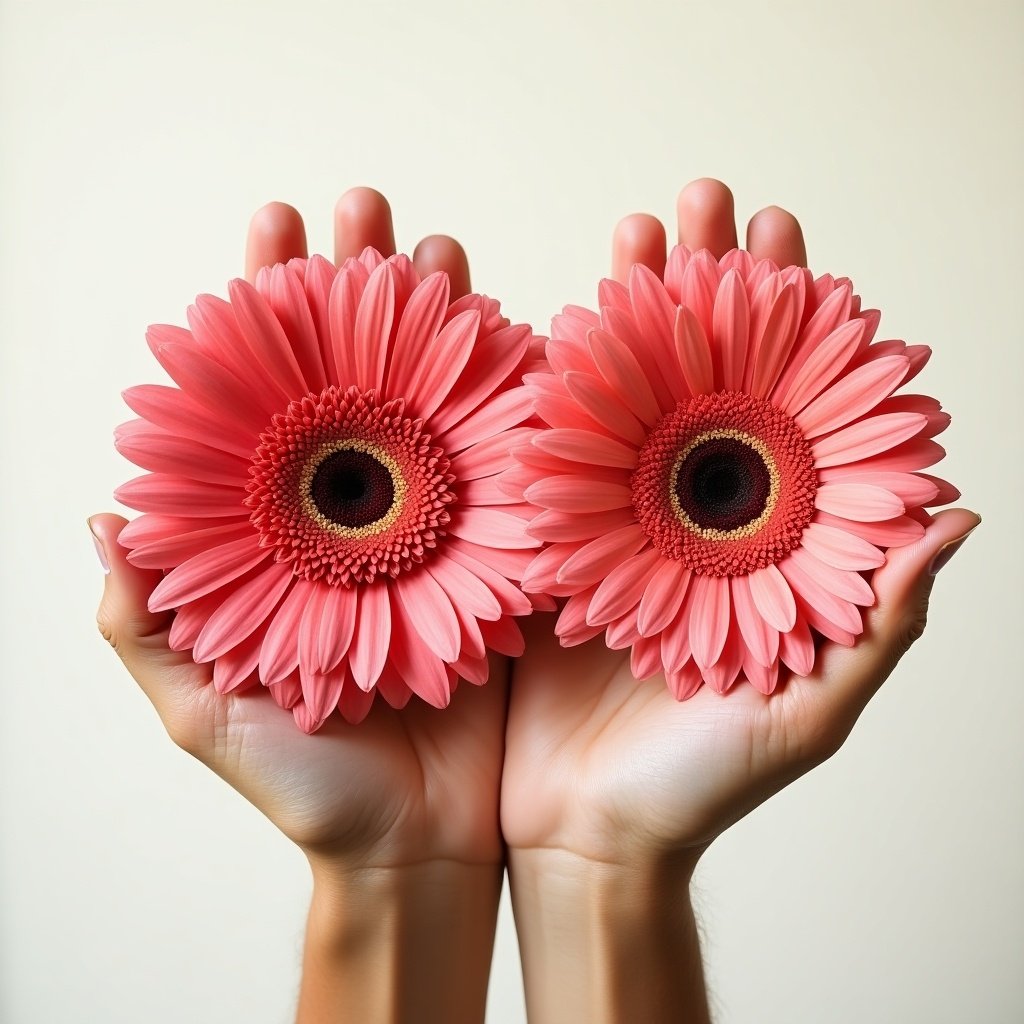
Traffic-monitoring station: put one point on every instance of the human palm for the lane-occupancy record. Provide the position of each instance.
(609, 768)
(405, 785)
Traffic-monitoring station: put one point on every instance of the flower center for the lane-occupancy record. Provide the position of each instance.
(352, 488)
(348, 488)
(725, 484)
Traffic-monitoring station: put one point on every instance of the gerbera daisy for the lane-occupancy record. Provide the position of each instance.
(322, 493)
(725, 460)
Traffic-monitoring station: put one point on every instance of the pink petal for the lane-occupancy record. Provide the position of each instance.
(850, 586)
(490, 455)
(813, 598)
(622, 373)
(504, 411)
(319, 276)
(772, 597)
(858, 501)
(655, 315)
(509, 597)
(206, 572)
(309, 630)
(550, 525)
(372, 636)
(620, 324)
(596, 559)
(587, 447)
(868, 437)
(493, 360)
(156, 449)
(675, 639)
(623, 587)
(894, 533)
(571, 626)
(374, 319)
(853, 395)
(280, 653)
(822, 366)
(287, 299)
(465, 589)
(796, 648)
(762, 678)
(571, 493)
(906, 457)
(242, 612)
(337, 626)
(440, 365)
(420, 322)
(424, 673)
(761, 639)
(721, 676)
(840, 549)
(321, 692)
(190, 618)
(429, 610)
(645, 657)
(392, 688)
(174, 495)
(174, 548)
(176, 412)
(910, 488)
(504, 637)
(600, 403)
(731, 327)
(265, 337)
(685, 681)
(772, 349)
(697, 287)
(693, 353)
(233, 671)
(354, 704)
(488, 526)
(709, 619)
(287, 692)
(343, 305)
(663, 598)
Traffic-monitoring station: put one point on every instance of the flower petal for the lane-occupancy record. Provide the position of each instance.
(709, 618)
(772, 597)
(206, 572)
(594, 560)
(853, 395)
(866, 438)
(429, 610)
(372, 637)
(858, 501)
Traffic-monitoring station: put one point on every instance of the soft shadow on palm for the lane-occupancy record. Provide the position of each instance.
(401, 787)
(601, 764)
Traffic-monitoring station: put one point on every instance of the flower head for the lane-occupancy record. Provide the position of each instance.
(724, 461)
(322, 491)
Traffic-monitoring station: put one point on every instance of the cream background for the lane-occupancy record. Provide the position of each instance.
(137, 139)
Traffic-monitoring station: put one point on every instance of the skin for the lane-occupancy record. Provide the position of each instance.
(608, 790)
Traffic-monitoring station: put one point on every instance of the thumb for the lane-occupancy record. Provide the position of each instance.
(902, 589)
(137, 635)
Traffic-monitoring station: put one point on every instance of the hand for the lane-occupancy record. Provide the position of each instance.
(603, 770)
(409, 794)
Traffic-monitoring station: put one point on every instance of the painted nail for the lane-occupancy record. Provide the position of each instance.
(97, 543)
(947, 551)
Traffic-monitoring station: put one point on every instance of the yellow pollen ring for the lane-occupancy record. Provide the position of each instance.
(748, 529)
(359, 445)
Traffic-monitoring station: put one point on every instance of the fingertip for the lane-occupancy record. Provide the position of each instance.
(444, 253)
(276, 235)
(774, 233)
(638, 238)
(362, 217)
(706, 217)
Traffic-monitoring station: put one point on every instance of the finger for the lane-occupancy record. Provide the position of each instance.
(276, 235)
(706, 216)
(440, 252)
(849, 677)
(638, 238)
(774, 233)
(362, 217)
(138, 635)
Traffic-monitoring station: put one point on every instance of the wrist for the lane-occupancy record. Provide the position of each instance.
(399, 943)
(607, 942)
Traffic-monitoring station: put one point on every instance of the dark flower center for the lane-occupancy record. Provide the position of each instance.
(352, 488)
(722, 483)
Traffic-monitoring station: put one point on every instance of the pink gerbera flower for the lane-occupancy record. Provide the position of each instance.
(323, 493)
(725, 461)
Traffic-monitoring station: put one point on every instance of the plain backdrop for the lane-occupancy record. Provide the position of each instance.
(136, 140)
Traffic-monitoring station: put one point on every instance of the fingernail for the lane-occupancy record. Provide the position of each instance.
(98, 544)
(947, 551)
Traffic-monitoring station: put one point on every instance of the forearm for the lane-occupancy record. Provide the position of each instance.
(606, 943)
(410, 944)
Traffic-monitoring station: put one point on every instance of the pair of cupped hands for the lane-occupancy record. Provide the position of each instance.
(562, 749)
